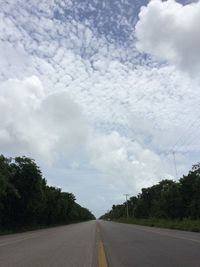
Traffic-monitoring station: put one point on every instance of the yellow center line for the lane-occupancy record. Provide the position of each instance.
(102, 255)
(102, 259)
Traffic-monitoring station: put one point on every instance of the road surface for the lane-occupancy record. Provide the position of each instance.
(101, 244)
(140, 246)
(70, 246)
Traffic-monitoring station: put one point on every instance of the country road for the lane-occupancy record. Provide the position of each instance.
(101, 244)
(140, 246)
(72, 246)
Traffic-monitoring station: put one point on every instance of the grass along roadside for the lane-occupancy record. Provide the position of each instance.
(185, 224)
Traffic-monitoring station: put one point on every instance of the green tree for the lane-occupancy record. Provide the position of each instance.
(190, 190)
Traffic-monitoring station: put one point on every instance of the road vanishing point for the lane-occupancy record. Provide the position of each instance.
(101, 244)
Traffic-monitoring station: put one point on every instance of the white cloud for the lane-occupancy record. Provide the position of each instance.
(38, 124)
(126, 164)
(171, 31)
(82, 108)
(51, 126)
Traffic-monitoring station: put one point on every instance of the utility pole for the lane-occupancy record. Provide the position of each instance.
(173, 152)
(127, 205)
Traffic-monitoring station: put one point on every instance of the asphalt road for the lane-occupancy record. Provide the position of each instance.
(69, 246)
(101, 244)
(140, 246)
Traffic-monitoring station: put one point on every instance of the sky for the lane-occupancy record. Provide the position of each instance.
(100, 93)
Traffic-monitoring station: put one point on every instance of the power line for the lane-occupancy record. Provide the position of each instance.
(183, 140)
(191, 141)
(194, 135)
(191, 136)
(185, 135)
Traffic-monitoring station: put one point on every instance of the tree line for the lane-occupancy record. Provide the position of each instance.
(26, 200)
(166, 200)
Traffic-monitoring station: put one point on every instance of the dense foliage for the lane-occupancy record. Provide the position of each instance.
(26, 199)
(166, 200)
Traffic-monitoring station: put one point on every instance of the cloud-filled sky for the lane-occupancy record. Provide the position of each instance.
(100, 92)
